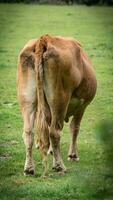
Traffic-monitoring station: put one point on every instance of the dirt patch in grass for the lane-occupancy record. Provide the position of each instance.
(8, 143)
(5, 156)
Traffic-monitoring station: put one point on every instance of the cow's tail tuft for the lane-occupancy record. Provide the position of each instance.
(42, 126)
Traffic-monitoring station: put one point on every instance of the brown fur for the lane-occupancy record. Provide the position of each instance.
(56, 80)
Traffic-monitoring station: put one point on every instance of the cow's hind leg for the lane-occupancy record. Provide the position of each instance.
(74, 129)
(58, 164)
(29, 116)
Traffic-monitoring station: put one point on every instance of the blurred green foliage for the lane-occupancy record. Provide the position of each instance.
(104, 132)
(68, 2)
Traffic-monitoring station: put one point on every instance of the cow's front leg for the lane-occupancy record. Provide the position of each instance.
(58, 164)
(28, 141)
(74, 129)
(72, 154)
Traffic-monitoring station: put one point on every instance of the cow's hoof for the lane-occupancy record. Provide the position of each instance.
(59, 168)
(73, 158)
(29, 172)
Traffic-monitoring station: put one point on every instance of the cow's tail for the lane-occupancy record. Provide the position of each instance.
(42, 125)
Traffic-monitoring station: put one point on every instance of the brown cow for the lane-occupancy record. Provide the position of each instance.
(55, 81)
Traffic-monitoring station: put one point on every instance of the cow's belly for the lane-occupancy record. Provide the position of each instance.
(73, 106)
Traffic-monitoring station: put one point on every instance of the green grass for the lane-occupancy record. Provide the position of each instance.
(92, 177)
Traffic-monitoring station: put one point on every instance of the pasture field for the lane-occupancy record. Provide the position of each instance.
(92, 177)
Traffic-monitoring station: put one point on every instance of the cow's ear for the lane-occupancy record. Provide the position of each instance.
(27, 59)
